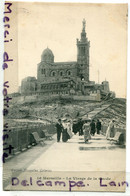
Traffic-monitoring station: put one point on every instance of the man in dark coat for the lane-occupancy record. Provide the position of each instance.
(80, 127)
(98, 126)
(59, 129)
(92, 128)
(75, 127)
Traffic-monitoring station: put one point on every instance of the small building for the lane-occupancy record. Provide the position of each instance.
(29, 86)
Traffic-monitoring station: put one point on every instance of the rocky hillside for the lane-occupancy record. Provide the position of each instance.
(50, 112)
(116, 111)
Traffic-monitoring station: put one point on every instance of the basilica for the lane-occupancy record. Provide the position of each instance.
(65, 78)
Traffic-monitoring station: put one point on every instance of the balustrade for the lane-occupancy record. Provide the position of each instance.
(20, 137)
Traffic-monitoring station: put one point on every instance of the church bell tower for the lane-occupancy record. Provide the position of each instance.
(83, 54)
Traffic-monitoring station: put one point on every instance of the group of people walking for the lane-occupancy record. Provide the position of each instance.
(92, 128)
(66, 127)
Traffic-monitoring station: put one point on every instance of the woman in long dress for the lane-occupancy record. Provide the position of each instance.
(110, 130)
(69, 128)
(86, 131)
(65, 135)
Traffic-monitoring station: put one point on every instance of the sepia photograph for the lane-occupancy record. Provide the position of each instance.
(65, 72)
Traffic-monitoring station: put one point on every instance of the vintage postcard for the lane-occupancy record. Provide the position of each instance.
(64, 92)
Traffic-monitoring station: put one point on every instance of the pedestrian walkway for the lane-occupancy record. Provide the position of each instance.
(23, 160)
(74, 155)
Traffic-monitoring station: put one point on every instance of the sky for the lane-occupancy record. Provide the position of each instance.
(57, 26)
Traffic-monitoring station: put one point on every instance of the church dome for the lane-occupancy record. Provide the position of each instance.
(47, 56)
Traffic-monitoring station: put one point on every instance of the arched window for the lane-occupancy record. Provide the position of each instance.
(83, 50)
(43, 71)
(61, 73)
(82, 77)
(69, 73)
(53, 73)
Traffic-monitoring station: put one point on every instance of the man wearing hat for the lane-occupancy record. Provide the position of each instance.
(59, 128)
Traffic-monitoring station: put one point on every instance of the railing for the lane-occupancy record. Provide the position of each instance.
(20, 137)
